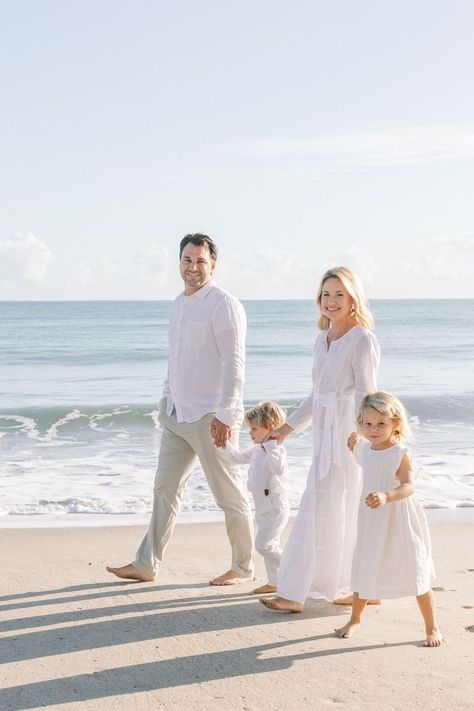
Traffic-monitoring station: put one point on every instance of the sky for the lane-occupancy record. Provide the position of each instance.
(299, 134)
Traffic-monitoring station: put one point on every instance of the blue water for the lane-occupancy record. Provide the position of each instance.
(80, 382)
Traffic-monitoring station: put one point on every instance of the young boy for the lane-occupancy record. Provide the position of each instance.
(268, 483)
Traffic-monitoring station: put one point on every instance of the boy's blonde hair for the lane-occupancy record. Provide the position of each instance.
(266, 414)
(353, 285)
(387, 404)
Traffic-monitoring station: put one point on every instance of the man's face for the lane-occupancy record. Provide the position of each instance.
(196, 267)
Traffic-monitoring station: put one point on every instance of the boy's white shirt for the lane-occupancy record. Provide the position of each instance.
(268, 467)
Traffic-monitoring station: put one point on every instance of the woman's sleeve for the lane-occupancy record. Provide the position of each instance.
(365, 363)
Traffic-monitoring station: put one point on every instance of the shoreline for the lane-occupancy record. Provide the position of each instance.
(460, 515)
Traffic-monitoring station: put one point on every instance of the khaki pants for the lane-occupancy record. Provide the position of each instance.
(181, 444)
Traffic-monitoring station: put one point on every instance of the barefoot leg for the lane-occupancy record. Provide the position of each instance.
(349, 599)
(358, 606)
(129, 572)
(427, 608)
(281, 603)
(264, 589)
(230, 577)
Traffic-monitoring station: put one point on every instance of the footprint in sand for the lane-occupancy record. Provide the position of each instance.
(439, 589)
(470, 628)
(467, 607)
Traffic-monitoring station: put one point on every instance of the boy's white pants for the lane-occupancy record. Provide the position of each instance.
(272, 513)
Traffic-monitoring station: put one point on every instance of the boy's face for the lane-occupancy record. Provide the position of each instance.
(257, 432)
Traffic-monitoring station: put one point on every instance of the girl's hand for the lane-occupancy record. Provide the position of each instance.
(280, 433)
(352, 440)
(376, 499)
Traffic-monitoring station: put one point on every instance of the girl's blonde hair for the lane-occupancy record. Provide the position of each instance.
(387, 404)
(353, 285)
(266, 414)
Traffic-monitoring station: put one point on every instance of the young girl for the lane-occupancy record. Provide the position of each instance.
(268, 483)
(392, 557)
(316, 561)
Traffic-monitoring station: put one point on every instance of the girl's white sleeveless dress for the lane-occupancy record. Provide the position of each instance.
(392, 556)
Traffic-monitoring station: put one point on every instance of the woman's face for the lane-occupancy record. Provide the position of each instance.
(336, 302)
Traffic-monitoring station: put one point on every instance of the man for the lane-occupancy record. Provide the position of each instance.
(201, 408)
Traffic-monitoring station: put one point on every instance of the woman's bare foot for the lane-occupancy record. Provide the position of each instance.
(264, 589)
(281, 603)
(129, 572)
(350, 599)
(347, 630)
(230, 577)
(434, 638)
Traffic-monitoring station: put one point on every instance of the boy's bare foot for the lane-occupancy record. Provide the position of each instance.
(347, 630)
(230, 577)
(350, 598)
(129, 572)
(281, 603)
(433, 638)
(264, 589)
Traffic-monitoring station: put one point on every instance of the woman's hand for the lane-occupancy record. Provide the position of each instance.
(280, 434)
(376, 499)
(352, 440)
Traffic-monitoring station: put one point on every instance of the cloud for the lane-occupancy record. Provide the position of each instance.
(462, 240)
(153, 263)
(411, 145)
(24, 258)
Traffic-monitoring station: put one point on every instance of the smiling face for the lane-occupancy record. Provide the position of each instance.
(196, 266)
(336, 302)
(257, 432)
(378, 429)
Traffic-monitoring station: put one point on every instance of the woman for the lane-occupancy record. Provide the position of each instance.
(316, 560)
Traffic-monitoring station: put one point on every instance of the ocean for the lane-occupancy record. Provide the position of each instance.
(80, 383)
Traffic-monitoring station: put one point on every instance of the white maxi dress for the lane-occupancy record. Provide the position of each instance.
(316, 561)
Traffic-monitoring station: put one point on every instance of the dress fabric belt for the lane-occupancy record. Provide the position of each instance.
(330, 449)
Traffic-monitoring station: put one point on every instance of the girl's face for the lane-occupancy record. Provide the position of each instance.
(257, 432)
(378, 429)
(336, 302)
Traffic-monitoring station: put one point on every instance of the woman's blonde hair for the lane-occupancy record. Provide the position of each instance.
(353, 285)
(390, 406)
(266, 414)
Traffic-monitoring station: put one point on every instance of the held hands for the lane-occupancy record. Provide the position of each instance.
(220, 432)
(376, 499)
(279, 434)
(352, 440)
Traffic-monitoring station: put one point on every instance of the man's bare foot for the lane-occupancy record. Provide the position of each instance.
(230, 577)
(281, 603)
(347, 630)
(129, 572)
(350, 598)
(433, 638)
(264, 589)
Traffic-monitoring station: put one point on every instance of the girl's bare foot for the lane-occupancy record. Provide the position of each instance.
(129, 572)
(230, 577)
(348, 630)
(350, 598)
(434, 638)
(281, 603)
(264, 589)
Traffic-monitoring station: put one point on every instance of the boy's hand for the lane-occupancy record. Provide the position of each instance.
(376, 499)
(352, 440)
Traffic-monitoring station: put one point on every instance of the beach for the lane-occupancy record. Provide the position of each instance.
(74, 637)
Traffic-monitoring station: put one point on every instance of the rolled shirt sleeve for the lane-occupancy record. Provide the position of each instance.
(229, 325)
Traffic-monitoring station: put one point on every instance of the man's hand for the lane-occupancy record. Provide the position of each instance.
(352, 440)
(220, 432)
(376, 499)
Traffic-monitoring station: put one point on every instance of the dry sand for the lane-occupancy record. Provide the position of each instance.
(74, 637)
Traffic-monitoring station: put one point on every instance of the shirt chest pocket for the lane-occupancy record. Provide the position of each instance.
(194, 333)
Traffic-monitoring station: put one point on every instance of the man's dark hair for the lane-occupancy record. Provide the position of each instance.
(199, 240)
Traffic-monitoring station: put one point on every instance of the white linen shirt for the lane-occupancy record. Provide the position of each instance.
(206, 356)
(268, 468)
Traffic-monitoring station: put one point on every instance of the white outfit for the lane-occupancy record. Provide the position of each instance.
(268, 483)
(205, 378)
(392, 557)
(316, 560)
